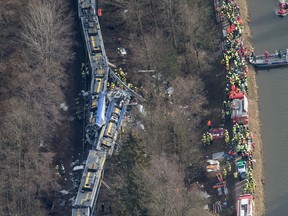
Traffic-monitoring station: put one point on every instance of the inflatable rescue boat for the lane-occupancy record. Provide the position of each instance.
(282, 9)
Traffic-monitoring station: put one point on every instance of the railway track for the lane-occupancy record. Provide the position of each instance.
(106, 110)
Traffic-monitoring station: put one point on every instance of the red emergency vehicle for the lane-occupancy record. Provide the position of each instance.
(217, 133)
(244, 205)
(239, 108)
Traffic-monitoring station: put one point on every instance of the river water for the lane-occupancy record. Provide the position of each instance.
(269, 33)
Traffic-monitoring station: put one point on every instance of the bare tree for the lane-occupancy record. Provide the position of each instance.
(173, 121)
(169, 196)
(21, 133)
(9, 25)
(47, 30)
(30, 98)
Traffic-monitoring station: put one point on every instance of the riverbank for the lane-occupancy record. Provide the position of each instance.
(254, 117)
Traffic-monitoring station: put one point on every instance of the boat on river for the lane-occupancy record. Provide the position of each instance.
(273, 60)
(282, 9)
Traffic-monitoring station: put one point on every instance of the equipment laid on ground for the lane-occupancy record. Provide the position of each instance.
(217, 207)
(220, 185)
(213, 166)
(218, 156)
(239, 108)
(244, 205)
(122, 51)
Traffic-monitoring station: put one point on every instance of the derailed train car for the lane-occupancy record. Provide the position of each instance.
(115, 118)
(90, 184)
(105, 114)
(96, 53)
(119, 100)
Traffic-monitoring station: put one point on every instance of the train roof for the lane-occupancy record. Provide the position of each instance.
(91, 177)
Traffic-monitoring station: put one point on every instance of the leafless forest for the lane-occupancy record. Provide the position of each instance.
(157, 168)
(36, 45)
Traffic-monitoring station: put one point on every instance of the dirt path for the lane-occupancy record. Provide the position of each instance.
(254, 120)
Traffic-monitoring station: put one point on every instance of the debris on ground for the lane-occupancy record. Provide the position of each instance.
(140, 109)
(74, 163)
(62, 203)
(64, 192)
(140, 125)
(64, 107)
(217, 207)
(218, 156)
(170, 91)
(76, 168)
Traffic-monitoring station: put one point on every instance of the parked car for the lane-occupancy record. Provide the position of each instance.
(242, 168)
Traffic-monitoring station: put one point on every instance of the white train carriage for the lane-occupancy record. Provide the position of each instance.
(110, 135)
(98, 132)
(90, 184)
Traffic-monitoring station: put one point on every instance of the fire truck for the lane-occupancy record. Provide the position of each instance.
(239, 108)
(244, 205)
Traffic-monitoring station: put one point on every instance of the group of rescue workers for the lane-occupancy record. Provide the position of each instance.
(84, 71)
(207, 138)
(227, 171)
(60, 169)
(121, 73)
(250, 184)
(278, 54)
(235, 57)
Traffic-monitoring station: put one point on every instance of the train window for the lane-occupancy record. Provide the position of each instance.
(91, 24)
(98, 50)
(86, 5)
(109, 129)
(92, 31)
(99, 85)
